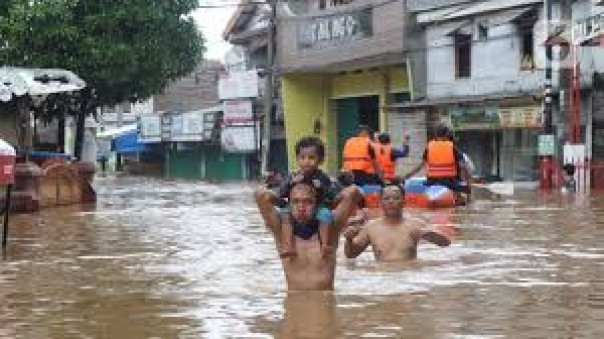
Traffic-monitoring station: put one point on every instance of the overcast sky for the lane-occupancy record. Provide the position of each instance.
(212, 22)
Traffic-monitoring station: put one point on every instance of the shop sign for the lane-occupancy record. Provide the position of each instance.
(334, 29)
(237, 112)
(240, 139)
(238, 85)
(588, 28)
(546, 144)
(491, 116)
(474, 116)
(520, 117)
(187, 127)
(166, 127)
(150, 129)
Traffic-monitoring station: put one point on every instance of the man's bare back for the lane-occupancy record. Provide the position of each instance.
(391, 237)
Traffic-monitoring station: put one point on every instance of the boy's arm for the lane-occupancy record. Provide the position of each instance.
(357, 240)
(265, 199)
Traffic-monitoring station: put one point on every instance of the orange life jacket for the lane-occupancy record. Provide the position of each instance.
(356, 155)
(441, 159)
(383, 156)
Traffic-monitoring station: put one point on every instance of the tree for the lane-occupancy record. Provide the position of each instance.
(124, 50)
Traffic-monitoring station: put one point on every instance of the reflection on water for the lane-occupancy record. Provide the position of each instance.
(159, 259)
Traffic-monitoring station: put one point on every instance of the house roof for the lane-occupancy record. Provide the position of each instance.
(242, 15)
(15, 81)
(469, 9)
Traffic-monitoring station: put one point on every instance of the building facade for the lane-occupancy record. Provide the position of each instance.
(484, 75)
(341, 65)
(248, 32)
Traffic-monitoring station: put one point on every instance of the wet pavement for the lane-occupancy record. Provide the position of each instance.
(180, 259)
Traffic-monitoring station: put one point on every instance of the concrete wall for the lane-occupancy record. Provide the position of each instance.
(387, 26)
(307, 97)
(495, 65)
(197, 90)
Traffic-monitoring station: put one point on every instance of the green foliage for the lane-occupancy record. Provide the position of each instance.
(124, 50)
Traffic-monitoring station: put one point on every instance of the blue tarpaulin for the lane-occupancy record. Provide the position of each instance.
(127, 143)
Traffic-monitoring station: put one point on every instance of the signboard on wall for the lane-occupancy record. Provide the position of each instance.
(240, 139)
(238, 111)
(150, 129)
(520, 117)
(238, 85)
(334, 29)
(187, 127)
(474, 116)
(482, 116)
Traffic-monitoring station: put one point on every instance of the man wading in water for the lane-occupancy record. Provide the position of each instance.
(391, 237)
(310, 269)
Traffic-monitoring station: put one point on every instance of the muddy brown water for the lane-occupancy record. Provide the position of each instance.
(181, 259)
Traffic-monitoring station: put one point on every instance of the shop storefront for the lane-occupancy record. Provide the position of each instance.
(500, 136)
(339, 69)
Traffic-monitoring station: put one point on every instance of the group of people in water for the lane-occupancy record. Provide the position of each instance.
(307, 212)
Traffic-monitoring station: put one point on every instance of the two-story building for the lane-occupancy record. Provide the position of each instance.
(483, 74)
(588, 32)
(341, 64)
(248, 32)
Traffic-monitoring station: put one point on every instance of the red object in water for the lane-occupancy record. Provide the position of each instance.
(7, 163)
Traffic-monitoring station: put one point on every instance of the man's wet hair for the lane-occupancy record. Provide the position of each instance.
(311, 141)
(366, 129)
(391, 185)
(304, 182)
(443, 132)
(384, 138)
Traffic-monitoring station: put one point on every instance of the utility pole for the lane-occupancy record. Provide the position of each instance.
(546, 159)
(268, 88)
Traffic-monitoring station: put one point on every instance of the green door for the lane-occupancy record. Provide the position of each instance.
(185, 164)
(223, 166)
(347, 115)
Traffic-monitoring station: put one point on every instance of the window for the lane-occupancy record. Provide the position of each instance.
(527, 60)
(463, 55)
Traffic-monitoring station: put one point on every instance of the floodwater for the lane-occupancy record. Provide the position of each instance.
(160, 259)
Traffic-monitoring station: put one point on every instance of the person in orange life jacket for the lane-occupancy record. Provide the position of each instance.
(445, 163)
(386, 156)
(359, 158)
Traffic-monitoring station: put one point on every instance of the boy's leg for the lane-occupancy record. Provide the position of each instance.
(326, 237)
(325, 218)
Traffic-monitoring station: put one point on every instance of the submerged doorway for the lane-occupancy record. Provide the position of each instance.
(350, 114)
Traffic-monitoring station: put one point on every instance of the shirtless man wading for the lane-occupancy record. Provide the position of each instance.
(310, 269)
(391, 237)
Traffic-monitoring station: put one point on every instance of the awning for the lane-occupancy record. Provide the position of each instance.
(470, 9)
(457, 28)
(127, 143)
(113, 133)
(507, 16)
(6, 149)
(16, 81)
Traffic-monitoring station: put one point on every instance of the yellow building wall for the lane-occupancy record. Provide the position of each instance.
(304, 98)
(307, 97)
